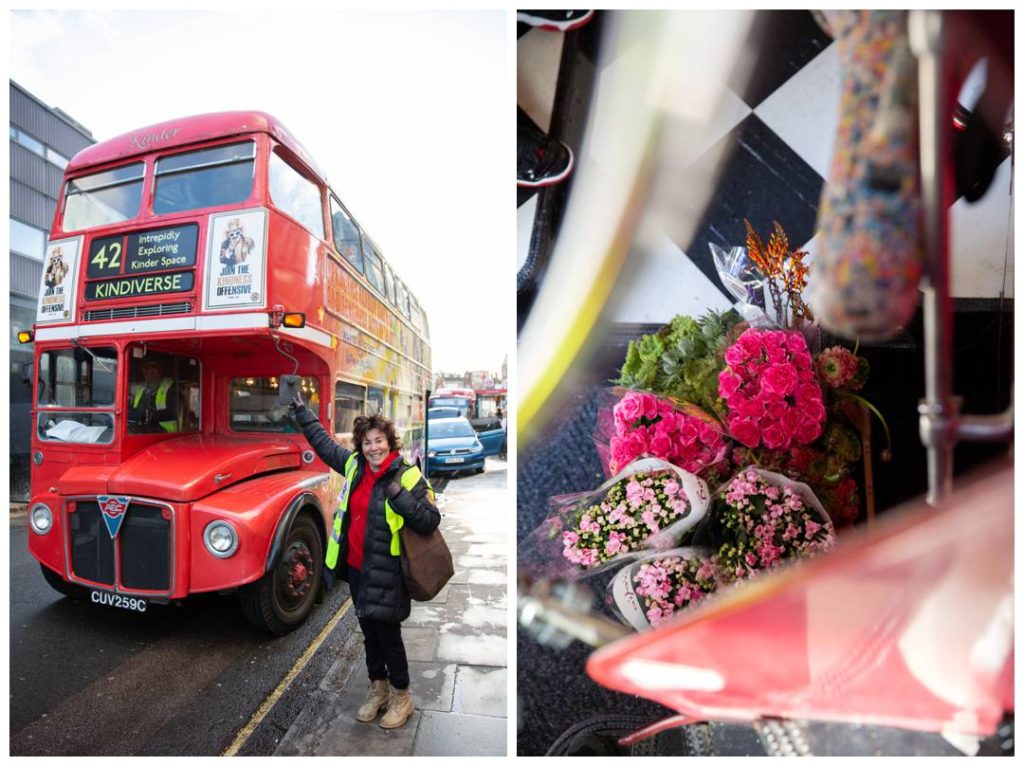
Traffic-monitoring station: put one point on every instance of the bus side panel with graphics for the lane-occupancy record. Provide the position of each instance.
(196, 269)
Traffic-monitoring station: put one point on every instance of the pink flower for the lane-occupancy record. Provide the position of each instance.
(745, 432)
(728, 382)
(736, 355)
(650, 521)
(649, 406)
(837, 366)
(661, 446)
(706, 570)
(775, 437)
(628, 409)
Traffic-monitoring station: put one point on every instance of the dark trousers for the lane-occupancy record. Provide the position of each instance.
(385, 652)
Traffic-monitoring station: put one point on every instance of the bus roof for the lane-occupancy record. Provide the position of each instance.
(187, 130)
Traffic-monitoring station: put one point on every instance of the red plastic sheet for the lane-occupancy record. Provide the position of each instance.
(910, 625)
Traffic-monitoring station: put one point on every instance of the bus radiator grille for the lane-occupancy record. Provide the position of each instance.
(92, 549)
(138, 312)
(145, 549)
(144, 541)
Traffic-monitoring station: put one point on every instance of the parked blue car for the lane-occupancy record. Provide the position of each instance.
(452, 445)
(491, 435)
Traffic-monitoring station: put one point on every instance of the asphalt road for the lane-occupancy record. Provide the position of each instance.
(177, 680)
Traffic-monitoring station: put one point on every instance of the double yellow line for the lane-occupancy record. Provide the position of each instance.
(298, 667)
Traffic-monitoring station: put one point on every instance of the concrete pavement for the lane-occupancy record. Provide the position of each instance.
(456, 644)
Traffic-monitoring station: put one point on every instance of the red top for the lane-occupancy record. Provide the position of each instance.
(358, 502)
(186, 130)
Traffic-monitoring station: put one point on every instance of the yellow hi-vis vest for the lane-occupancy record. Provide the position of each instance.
(170, 426)
(410, 477)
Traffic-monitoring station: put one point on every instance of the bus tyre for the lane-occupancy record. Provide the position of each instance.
(281, 600)
(61, 585)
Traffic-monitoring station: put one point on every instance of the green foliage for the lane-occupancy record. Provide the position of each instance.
(682, 359)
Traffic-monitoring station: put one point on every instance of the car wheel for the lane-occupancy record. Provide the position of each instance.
(281, 600)
(61, 585)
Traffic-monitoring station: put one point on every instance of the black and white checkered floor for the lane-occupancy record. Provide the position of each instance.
(778, 130)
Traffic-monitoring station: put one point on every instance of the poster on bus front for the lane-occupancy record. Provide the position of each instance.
(236, 260)
(57, 292)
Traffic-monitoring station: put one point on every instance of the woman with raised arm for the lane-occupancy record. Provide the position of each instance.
(382, 492)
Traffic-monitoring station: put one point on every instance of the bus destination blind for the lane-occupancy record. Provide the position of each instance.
(141, 252)
(139, 285)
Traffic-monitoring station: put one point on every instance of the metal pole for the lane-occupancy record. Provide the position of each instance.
(426, 435)
(941, 424)
(939, 409)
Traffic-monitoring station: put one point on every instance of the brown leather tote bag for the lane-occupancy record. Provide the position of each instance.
(426, 563)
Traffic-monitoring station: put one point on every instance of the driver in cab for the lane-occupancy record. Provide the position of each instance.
(153, 408)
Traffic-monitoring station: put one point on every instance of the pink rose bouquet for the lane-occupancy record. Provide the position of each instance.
(648, 425)
(770, 390)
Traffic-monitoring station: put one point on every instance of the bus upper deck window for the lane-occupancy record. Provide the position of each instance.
(219, 175)
(374, 267)
(389, 285)
(346, 235)
(103, 198)
(403, 298)
(296, 195)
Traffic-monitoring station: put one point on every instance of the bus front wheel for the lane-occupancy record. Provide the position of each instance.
(281, 600)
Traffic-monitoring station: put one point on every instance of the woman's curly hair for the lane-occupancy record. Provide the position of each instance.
(364, 425)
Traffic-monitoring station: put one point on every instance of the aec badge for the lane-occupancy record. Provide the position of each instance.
(113, 509)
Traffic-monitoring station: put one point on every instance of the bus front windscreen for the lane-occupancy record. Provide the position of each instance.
(80, 379)
(219, 175)
(102, 198)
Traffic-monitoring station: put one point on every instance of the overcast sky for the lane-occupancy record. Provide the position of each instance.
(405, 112)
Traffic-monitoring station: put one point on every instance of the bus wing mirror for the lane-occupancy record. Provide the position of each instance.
(287, 389)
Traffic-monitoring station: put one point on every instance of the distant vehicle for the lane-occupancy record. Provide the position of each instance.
(463, 399)
(452, 445)
(443, 412)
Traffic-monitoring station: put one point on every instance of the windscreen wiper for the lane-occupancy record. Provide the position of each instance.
(96, 360)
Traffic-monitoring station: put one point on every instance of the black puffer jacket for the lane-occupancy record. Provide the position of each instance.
(382, 593)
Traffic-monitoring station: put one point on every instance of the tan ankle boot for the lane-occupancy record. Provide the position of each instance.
(376, 701)
(399, 709)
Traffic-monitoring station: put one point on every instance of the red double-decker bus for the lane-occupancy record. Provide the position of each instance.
(197, 272)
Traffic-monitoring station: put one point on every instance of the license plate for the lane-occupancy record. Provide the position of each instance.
(131, 603)
(456, 460)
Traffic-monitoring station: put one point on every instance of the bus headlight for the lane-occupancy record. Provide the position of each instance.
(221, 539)
(41, 518)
